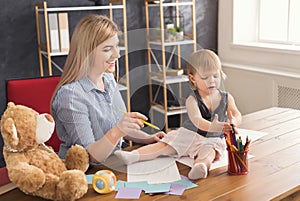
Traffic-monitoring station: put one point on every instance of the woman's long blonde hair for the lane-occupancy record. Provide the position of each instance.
(91, 31)
(204, 60)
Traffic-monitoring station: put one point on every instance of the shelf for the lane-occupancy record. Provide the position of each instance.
(122, 48)
(170, 112)
(44, 38)
(159, 41)
(63, 9)
(167, 43)
(122, 87)
(171, 4)
(55, 53)
(83, 8)
(171, 79)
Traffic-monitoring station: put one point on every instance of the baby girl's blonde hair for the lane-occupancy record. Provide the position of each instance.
(204, 60)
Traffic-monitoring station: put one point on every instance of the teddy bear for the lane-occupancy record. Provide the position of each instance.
(34, 167)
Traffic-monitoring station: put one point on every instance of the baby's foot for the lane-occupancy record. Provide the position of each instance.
(128, 157)
(199, 170)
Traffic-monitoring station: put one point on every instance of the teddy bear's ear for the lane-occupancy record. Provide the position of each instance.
(10, 132)
(10, 104)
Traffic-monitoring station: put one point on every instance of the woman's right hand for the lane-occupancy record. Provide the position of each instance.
(131, 122)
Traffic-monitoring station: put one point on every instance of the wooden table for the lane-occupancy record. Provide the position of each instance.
(274, 171)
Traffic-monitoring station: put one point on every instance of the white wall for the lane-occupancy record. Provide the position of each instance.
(254, 72)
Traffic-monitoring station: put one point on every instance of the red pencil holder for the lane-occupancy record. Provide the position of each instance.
(237, 162)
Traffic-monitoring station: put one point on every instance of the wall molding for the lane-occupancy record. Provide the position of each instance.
(259, 69)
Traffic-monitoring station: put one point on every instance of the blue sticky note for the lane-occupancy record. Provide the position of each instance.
(158, 188)
(120, 184)
(176, 189)
(129, 193)
(89, 178)
(186, 183)
(138, 184)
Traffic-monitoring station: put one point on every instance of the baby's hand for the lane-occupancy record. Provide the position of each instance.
(217, 126)
(158, 136)
(154, 137)
(234, 129)
(232, 122)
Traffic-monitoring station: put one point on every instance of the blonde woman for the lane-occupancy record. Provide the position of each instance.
(209, 109)
(86, 102)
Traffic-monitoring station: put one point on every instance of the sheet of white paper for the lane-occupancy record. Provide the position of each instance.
(159, 170)
(220, 163)
(252, 135)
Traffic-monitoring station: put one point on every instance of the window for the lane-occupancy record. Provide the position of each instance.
(241, 45)
(278, 21)
(269, 23)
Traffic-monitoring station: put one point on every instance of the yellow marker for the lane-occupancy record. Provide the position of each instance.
(145, 122)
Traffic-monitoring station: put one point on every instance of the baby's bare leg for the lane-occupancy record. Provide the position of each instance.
(206, 156)
(147, 152)
(152, 151)
(202, 163)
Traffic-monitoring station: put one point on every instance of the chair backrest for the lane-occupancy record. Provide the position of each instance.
(4, 177)
(35, 93)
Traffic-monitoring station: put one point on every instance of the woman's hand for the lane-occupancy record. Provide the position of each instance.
(131, 123)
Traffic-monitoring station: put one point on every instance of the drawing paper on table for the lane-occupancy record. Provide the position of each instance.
(252, 135)
(159, 170)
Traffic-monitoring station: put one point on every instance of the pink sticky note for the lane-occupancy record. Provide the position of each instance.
(176, 189)
(129, 193)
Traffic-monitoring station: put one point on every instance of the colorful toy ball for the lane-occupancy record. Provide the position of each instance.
(104, 181)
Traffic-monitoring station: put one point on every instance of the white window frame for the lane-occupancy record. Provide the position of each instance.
(238, 41)
(281, 23)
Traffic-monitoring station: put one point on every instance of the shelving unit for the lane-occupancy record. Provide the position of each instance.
(163, 63)
(44, 50)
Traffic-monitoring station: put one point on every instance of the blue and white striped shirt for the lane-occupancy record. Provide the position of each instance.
(83, 114)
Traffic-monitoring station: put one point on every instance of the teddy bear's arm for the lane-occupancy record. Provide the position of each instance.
(27, 177)
(77, 158)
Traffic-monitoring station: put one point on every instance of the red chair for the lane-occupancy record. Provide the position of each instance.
(4, 177)
(35, 93)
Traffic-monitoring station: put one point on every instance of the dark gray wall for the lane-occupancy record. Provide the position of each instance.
(18, 43)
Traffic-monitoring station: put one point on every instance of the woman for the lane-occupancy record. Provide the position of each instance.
(86, 102)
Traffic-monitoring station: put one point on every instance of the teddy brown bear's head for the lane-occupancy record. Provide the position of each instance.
(21, 125)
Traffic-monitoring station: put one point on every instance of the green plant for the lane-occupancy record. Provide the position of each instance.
(179, 29)
(169, 21)
(157, 31)
(172, 31)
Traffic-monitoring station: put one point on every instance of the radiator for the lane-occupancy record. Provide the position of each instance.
(288, 97)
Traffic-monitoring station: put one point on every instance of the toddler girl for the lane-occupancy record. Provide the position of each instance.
(209, 109)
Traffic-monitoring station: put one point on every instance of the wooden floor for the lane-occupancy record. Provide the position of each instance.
(274, 172)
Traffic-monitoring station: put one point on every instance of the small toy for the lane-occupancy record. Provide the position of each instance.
(104, 181)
